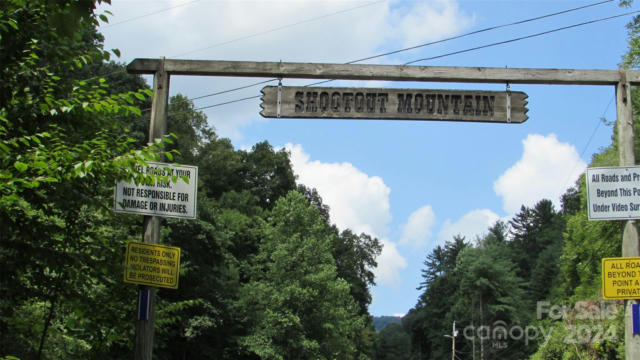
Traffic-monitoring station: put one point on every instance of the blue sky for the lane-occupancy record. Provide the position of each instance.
(411, 184)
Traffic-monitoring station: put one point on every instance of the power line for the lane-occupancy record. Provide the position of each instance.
(224, 92)
(266, 32)
(521, 38)
(242, 38)
(370, 57)
(228, 102)
(280, 28)
(133, 19)
(210, 106)
(149, 14)
(600, 120)
(431, 43)
(455, 52)
(481, 31)
(593, 133)
(232, 90)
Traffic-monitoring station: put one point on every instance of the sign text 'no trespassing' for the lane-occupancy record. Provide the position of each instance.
(152, 265)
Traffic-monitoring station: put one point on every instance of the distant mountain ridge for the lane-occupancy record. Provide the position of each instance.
(381, 321)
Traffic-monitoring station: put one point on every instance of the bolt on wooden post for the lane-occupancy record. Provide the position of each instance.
(151, 232)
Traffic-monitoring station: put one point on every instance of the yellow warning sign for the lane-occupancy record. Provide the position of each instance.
(152, 265)
(621, 278)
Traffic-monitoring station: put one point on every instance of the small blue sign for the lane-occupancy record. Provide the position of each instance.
(143, 303)
(635, 314)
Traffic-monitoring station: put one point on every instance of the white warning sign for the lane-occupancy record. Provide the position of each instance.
(613, 193)
(167, 199)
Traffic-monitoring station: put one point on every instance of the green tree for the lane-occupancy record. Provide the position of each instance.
(191, 128)
(529, 230)
(301, 309)
(254, 253)
(221, 250)
(490, 294)
(394, 344)
(355, 258)
(431, 317)
(59, 157)
(267, 173)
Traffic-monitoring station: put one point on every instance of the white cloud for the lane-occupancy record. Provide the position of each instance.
(417, 230)
(546, 169)
(390, 262)
(472, 224)
(357, 201)
(431, 20)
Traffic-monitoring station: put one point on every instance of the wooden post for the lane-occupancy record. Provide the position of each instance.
(630, 244)
(453, 342)
(151, 233)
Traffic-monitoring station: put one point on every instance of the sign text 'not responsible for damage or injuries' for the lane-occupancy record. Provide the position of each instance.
(166, 199)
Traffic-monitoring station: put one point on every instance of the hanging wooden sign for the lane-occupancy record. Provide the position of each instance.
(398, 104)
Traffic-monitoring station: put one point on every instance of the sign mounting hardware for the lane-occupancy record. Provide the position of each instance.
(279, 96)
(508, 103)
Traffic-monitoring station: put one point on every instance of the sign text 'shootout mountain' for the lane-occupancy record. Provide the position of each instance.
(400, 104)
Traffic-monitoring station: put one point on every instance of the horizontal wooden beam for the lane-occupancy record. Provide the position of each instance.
(293, 70)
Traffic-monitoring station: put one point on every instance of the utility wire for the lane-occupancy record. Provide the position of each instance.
(455, 52)
(227, 102)
(481, 31)
(600, 121)
(281, 28)
(366, 58)
(521, 38)
(149, 14)
(240, 38)
(232, 90)
(266, 32)
(432, 43)
(223, 92)
(593, 133)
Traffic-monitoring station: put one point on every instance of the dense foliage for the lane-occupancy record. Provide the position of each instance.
(263, 275)
(529, 288)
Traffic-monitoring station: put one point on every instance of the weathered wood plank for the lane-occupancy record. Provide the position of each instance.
(383, 72)
(396, 104)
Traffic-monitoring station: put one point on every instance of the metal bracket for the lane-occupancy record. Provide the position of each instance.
(508, 103)
(279, 97)
(623, 82)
